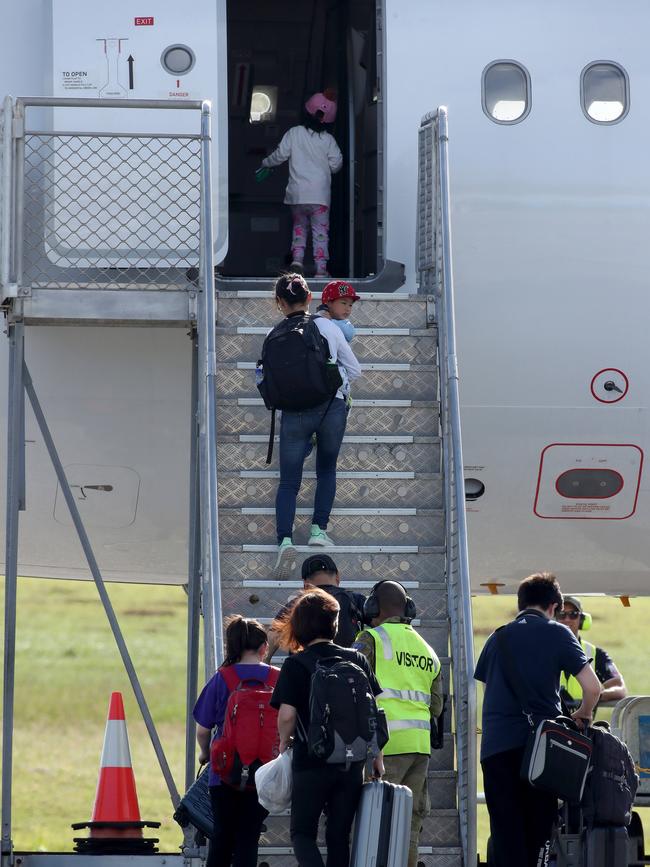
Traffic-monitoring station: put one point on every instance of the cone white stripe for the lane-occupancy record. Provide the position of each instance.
(116, 752)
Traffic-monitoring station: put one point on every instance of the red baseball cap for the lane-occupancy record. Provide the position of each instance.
(338, 289)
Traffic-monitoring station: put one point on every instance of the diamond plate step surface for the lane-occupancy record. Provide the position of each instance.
(367, 416)
(244, 343)
(388, 311)
(387, 527)
(264, 598)
(430, 856)
(366, 563)
(414, 381)
(381, 454)
(440, 829)
(237, 489)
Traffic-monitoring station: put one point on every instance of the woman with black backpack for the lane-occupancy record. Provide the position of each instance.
(321, 777)
(230, 702)
(306, 370)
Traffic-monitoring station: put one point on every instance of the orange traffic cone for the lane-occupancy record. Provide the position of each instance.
(116, 826)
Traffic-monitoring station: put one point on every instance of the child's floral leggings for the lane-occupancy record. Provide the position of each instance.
(319, 217)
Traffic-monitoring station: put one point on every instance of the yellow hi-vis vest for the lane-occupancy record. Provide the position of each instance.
(406, 667)
(570, 683)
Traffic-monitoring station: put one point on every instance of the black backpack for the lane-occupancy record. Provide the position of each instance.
(294, 372)
(612, 780)
(345, 724)
(350, 617)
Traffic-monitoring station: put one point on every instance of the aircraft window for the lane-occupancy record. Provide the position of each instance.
(506, 91)
(604, 91)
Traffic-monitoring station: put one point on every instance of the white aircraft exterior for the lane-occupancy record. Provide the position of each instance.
(548, 106)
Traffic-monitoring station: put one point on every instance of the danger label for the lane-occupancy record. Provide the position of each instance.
(586, 508)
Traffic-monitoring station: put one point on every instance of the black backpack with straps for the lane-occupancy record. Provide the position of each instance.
(345, 723)
(296, 372)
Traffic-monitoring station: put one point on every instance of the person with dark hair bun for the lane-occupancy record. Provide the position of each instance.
(326, 420)
(238, 816)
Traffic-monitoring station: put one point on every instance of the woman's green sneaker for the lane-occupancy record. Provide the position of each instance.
(318, 538)
(286, 561)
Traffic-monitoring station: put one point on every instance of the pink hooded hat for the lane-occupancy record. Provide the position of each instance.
(319, 102)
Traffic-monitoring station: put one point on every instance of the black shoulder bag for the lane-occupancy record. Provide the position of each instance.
(558, 754)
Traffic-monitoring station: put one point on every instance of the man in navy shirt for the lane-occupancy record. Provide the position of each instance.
(521, 817)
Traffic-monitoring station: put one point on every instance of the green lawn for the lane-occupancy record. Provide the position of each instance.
(67, 666)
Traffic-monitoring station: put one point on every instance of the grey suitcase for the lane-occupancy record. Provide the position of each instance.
(606, 847)
(382, 827)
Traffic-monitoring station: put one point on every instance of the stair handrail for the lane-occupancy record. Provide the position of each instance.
(435, 267)
(207, 444)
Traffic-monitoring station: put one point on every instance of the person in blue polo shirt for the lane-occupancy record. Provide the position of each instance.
(521, 817)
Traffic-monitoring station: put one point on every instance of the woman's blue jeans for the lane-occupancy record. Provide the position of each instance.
(296, 431)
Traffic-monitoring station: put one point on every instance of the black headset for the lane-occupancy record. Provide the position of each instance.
(371, 605)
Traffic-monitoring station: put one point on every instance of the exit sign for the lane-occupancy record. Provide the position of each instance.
(145, 21)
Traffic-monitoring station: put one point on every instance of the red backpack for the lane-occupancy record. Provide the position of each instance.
(250, 732)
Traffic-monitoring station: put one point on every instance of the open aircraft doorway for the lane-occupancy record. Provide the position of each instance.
(278, 55)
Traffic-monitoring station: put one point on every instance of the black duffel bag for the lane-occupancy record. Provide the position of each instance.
(557, 759)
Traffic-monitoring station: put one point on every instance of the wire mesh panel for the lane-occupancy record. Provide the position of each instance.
(111, 211)
(5, 190)
(427, 205)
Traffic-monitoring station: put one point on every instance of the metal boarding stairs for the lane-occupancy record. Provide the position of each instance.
(399, 510)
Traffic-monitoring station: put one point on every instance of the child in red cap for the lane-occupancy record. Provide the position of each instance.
(336, 304)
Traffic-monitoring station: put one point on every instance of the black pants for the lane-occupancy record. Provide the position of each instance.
(521, 817)
(316, 788)
(238, 819)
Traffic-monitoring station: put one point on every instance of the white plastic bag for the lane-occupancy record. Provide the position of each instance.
(274, 783)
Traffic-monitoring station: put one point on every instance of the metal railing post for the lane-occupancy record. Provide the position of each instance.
(453, 408)
(193, 578)
(14, 445)
(210, 571)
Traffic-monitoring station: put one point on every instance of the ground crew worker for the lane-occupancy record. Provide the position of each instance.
(412, 696)
(612, 684)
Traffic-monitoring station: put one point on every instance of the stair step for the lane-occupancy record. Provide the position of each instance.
(358, 489)
(429, 856)
(371, 564)
(442, 822)
(396, 310)
(416, 418)
(416, 381)
(265, 597)
(242, 342)
(347, 527)
(441, 828)
(438, 856)
(442, 789)
(377, 453)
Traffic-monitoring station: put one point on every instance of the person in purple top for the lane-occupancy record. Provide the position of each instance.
(238, 816)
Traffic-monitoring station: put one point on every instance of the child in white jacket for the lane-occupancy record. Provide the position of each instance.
(314, 157)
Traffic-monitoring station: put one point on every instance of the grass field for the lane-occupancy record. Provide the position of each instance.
(67, 665)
